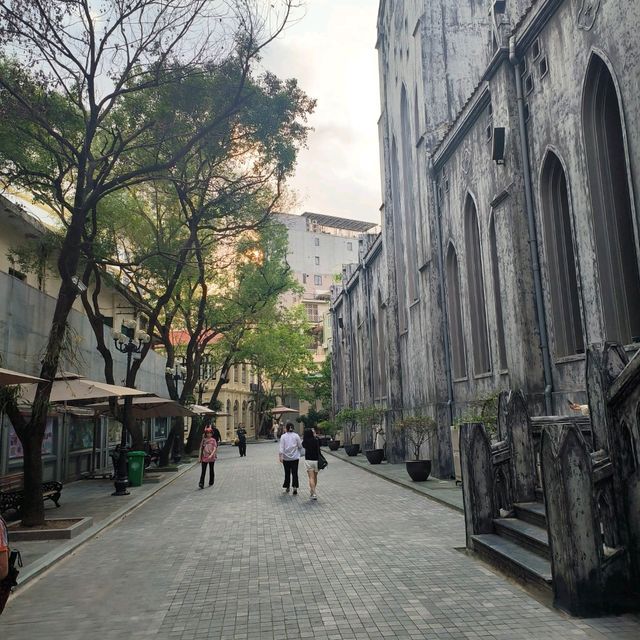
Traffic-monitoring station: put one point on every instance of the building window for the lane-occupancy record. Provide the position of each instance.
(317, 280)
(312, 310)
(316, 242)
(317, 259)
(497, 293)
(475, 283)
(304, 278)
(454, 308)
(244, 374)
(611, 206)
(18, 275)
(235, 373)
(561, 264)
(398, 240)
(349, 246)
(408, 200)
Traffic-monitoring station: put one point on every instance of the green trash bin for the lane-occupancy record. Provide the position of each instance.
(136, 467)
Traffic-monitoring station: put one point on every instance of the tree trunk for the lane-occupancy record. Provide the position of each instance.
(33, 505)
(174, 443)
(195, 435)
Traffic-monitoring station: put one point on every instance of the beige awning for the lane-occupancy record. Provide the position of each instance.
(151, 407)
(9, 377)
(282, 409)
(76, 389)
(201, 410)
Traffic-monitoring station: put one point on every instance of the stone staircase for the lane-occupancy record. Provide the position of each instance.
(519, 545)
(580, 543)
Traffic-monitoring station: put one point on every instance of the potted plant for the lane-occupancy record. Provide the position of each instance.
(349, 418)
(419, 429)
(370, 418)
(330, 428)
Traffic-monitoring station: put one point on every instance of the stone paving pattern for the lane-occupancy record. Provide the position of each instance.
(244, 561)
(445, 491)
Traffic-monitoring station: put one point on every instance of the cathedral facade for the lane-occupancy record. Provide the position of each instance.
(510, 151)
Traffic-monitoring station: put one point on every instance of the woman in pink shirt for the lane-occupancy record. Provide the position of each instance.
(208, 449)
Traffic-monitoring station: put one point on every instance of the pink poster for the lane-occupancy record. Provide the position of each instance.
(15, 447)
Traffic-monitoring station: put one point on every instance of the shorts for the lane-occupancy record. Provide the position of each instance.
(311, 465)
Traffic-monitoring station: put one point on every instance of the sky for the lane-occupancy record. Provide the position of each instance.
(330, 50)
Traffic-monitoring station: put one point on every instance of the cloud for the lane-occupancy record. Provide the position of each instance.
(331, 53)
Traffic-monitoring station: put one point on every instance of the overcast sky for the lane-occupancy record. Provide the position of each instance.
(330, 50)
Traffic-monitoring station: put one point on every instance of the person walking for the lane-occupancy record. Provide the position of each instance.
(289, 448)
(242, 440)
(311, 446)
(208, 451)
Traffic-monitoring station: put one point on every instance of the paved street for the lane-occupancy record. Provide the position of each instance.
(242, 561)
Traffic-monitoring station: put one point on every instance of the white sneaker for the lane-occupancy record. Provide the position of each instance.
(314, 496)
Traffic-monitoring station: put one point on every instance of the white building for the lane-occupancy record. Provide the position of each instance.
(319, 247)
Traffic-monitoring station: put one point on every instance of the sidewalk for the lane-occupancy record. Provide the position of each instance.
(445, 492)
(92, 499)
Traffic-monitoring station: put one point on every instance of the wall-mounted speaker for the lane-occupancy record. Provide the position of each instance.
(498, 144)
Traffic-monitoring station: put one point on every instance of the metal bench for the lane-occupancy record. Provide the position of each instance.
(12, 492)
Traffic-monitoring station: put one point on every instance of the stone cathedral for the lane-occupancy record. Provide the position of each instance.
(510, 151)
(508, 267)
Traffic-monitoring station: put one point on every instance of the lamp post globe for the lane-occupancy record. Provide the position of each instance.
(128, 341)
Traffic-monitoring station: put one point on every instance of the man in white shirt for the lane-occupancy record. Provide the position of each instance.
(290, 448)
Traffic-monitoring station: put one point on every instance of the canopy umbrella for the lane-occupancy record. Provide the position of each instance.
(151, 407)
(76, 389)
(201, 410)
(282, 409)
(8, 377)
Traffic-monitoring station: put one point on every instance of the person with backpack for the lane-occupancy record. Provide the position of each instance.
(311, 446)
(208, 449)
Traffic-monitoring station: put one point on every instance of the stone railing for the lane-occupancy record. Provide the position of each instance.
(589, 472)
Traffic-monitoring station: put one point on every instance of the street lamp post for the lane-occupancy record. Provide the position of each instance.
(177, 374)
(128, 341)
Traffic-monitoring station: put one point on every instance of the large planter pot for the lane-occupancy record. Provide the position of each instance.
(352, 449)
(374, 456)
(334, 445)
(418, 470)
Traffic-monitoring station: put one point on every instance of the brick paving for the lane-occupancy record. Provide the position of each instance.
(242, 561)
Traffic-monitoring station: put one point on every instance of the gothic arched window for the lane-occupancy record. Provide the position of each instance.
(475, 283)
(561, 264)
(497, 293)
(454, 308)
(611, 207)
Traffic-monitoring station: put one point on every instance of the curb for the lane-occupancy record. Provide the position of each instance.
(48, 560)
(399, 483)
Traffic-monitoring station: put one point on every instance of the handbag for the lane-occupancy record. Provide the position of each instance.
(236, 442)
(322, 461)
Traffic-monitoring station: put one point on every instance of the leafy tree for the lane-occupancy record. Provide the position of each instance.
(278, 349)
(97, 98)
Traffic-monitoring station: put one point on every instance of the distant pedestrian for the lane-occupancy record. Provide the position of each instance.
(6, 584)
(242, 440)
(290, 448)
(311, 446)
(216, 433)
(208, 450)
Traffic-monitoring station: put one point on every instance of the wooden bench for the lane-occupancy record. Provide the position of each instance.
(12, 492)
